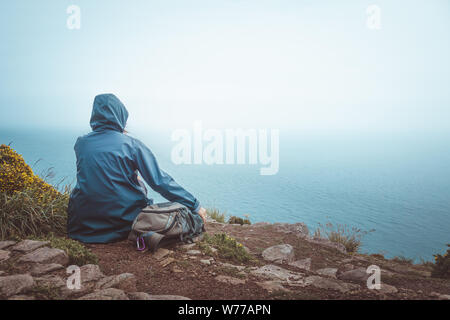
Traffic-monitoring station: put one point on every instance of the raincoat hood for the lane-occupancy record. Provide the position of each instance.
(108, 113)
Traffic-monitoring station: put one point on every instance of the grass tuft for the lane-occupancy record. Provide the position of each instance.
(78, 253)
(350, 238)
(227, 247)
(215, 214)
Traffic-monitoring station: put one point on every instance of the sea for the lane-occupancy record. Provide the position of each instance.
(393, 188)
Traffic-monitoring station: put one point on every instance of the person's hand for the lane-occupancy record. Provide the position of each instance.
(202, 214)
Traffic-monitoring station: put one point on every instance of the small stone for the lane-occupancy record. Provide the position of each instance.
(357, 275)
(194, 252)
(46, 255)
(29, 245)
(386, 289)
(40, 269)
(139, 296)
(6, 244)
(106, 294)
(167, 261)
(444, 297)
(176, 270)
(272, 286)
(330, 284)
(51, 281)
(124, 281)
(21, 297)
(161, 253)
(304, 264)
(330, 272)
(4, 255)
(347, 267)
(279, 253)
(229, 280)
(229, 265)
(207, 262)
(90, 272)
(167, 297)
(188, 246)
(277, 273)
(13, 285)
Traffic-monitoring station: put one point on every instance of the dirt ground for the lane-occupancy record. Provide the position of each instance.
(187, 276)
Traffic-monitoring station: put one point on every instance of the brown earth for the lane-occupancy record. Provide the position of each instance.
(187, 276)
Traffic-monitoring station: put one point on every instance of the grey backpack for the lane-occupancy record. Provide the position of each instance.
(164, 223)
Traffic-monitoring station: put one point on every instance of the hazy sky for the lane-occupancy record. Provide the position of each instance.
(250, 63)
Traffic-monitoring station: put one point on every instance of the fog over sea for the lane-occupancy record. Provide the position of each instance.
(396, 184)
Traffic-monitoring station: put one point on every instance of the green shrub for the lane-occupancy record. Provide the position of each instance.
(350, 238)
(441, 267)
(227, 247)
(78, 254)
(28, 205)
(237, 220)
(22, 216)
(216, 215)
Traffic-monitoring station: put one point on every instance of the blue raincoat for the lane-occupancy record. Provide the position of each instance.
(108, 196)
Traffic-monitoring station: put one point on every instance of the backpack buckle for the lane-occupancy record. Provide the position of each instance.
(140, 243)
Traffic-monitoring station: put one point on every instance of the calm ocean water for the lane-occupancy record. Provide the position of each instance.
(399, 186)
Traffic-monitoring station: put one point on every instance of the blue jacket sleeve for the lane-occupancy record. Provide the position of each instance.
(159, 180)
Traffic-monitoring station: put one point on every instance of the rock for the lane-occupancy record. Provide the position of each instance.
(357, 275)
(46, 255)
(279, 253)
(167, 261)
(198, 238)
(347, 267)
(6, 244)
(4, 255)
(90, 272)
(124, 281)
(194, 252)
(440, 296)
(21, 297)
(327, 243)
(229, 280)
(188, 246)
(161, 253)
(139, 296)
(277, 273)
(2, 273)
(167, 297)
(207, 262)
(330, 272)
(51, 281)
(272, 286)
(229, 265)
(299, 229)
(304, 264)
(386, 289)
(330, 284)
(40, 269)
(175, 269)
(15, 284)
(29, 245)
(214, 250)
(106, 294)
